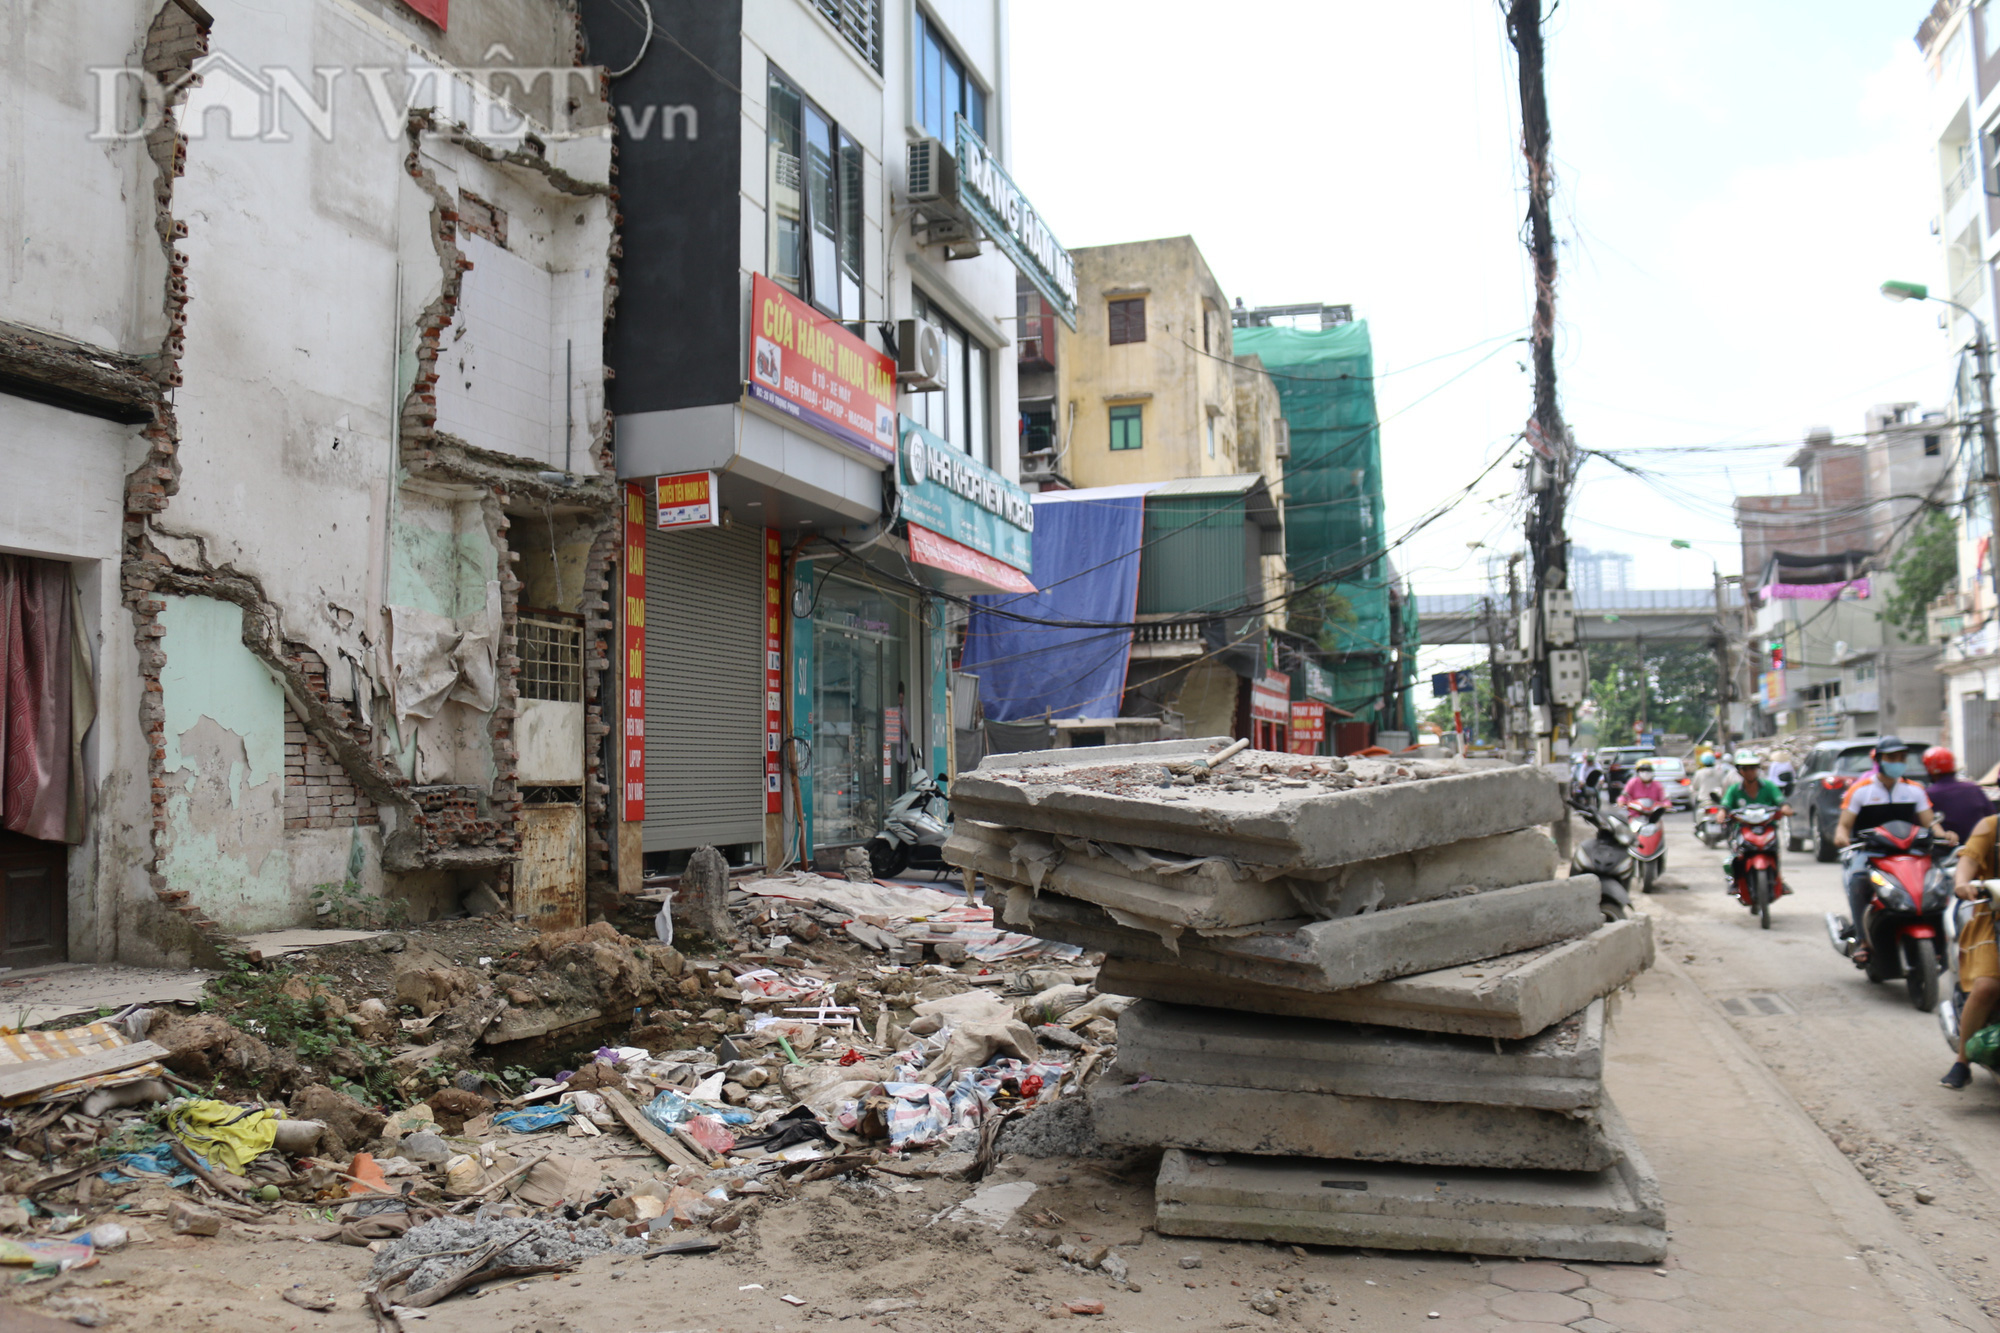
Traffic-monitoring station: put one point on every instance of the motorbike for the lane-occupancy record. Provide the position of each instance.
(1607, 854)
(1952, 1005)
(1904, 923)
(1754, 838)
(1649, 839)
(1710, 824)
(914, 834)
(1587, 790)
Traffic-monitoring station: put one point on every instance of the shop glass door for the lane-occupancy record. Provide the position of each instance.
(860, 647)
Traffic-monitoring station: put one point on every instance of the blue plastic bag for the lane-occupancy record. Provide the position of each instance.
(530, 1119)
(670, 1110)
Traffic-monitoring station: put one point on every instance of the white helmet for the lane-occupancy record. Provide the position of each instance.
(1747, 757)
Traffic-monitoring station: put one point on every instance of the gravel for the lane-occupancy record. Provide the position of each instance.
(535, 1241)
(1060, 1129)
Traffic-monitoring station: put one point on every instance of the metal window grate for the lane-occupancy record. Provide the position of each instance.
(551, 653)
(860, 22)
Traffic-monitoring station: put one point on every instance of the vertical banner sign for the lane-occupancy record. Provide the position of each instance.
(774, 675)
(1308, 726)
(635, 652)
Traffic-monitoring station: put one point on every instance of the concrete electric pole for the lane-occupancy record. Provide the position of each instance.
(1555, 677)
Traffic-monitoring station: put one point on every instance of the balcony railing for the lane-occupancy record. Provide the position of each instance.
(1961, 180)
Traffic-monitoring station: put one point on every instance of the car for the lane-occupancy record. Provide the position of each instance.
(1617, 762)
(1825, 776)
(1672, 774)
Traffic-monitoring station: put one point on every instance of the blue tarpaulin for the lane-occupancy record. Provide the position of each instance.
(1087, 566)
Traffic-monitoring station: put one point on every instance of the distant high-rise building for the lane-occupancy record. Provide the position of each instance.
(1594, 575)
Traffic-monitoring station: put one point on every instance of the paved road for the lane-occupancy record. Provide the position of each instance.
(1860, 1060)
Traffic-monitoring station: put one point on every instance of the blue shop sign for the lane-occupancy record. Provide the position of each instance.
(958, 497)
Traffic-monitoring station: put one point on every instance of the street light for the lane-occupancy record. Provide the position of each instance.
(1721, 648)
(1989, 450)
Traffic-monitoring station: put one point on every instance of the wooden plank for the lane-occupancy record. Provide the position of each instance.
(34, 1076)
(647, 1132)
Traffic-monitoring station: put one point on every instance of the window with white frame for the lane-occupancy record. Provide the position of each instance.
(962, 411)
(944, 89)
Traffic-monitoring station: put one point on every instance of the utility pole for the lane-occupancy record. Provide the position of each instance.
(1982, 348)
(1550, 467)
(1494, 678)
(1722, 674)
(1645, 687)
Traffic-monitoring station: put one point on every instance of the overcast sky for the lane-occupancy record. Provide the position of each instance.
(1733, 183)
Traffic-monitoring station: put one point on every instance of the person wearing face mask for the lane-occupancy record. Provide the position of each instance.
(1887, 784)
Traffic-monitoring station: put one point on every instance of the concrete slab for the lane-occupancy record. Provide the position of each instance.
(1262, 808)
(1205, 1118)
(278, 943)
(1610, 1216)
(1330, 955)
(1218, 893)
(1560, 1069)
(1515, 996)
(32, 996)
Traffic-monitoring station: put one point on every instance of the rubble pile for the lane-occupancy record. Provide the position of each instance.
(1370, 1012)
(474, 1117)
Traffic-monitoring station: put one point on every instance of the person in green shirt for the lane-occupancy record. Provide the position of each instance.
(1750, 788)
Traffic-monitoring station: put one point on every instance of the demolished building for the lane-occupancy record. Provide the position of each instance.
(305, 456)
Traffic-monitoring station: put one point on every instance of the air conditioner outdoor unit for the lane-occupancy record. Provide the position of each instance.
(933, 173)
(1282, 444)
(920, 358)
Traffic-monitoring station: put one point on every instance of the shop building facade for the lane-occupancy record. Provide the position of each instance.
(820, 253)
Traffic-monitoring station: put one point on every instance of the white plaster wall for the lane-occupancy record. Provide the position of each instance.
(982, 289)
(62, 481)
(80, 258)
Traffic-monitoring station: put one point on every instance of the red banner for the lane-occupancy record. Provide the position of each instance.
(635, 652)
(1308, 726)
(687, 500)
(810, 367)
(437, 11)
(774, 673)
(929, 548)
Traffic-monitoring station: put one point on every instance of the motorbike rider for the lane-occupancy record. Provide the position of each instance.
(1783, 773)
(1710, 781)
(1750, 788)
(1978, 956)
(1886, 784)
(1642, 787)
(1960, 805)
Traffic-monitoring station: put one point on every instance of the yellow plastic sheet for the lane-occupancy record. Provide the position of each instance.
(229, 1136)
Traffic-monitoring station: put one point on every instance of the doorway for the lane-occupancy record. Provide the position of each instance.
(34, 901)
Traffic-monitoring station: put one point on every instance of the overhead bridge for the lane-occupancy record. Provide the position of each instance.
(1657, 615)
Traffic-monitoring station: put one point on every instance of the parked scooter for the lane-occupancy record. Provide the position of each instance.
(914, 834)
(1904, 923)
(1711, 825)
(1957, 915)
(1649, 839)
(1754, 844)
(1607, 854)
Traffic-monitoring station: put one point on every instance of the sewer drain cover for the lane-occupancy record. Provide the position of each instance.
(1756, 1006)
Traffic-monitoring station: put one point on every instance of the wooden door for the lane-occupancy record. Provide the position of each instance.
(34, 901)
(548, 884)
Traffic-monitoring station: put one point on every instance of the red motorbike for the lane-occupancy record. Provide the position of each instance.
(1754, 839)
(1909, 871)
(1649, 838)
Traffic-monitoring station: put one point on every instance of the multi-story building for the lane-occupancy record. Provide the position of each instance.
(1960, 40)
(1598, 575)
(306, 497)
(816, 405)
(1816, 571)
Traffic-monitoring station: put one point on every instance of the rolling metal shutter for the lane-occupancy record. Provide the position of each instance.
(704, 688)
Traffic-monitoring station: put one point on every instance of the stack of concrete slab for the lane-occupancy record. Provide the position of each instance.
(1372, 1012)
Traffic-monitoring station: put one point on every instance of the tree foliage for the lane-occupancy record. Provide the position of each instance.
(1314, 612)
(1477, 707)
(1925, 569)
(1677, 690)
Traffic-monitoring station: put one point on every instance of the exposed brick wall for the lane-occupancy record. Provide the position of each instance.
(318, 792)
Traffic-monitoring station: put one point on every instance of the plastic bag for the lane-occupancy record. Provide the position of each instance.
(46, 1256)
(670, 1111)
(663, 924)
(530, 1119)
(1983, 1046)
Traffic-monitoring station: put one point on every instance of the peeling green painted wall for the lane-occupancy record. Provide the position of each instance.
(441, 556)
(225, 769)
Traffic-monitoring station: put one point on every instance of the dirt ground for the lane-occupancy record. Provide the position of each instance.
(870, 1254)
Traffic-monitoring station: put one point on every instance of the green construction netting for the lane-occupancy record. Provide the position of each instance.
(1333, 490)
